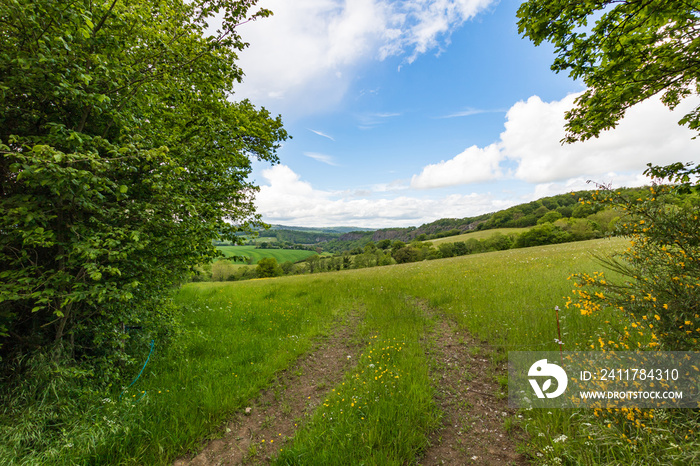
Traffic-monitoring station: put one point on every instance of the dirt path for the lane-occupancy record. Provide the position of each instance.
(475, 405)
(477, 423)
(256, 437)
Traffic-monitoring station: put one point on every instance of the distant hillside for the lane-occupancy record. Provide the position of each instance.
(338, 239)
(548, 209)
(309, 236)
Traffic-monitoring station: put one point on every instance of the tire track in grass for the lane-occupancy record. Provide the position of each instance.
(477, 425)
(256, 434)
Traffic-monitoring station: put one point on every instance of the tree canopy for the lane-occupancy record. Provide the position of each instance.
(122, 157)
(625, 51)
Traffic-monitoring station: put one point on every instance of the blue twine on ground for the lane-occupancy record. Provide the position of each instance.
(137, 377)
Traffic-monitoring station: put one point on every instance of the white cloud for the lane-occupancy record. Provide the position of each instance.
(468, 112)
(320, 133)
(311, 47)
(648, 133)
(286, 199)
(471, 166)
(323, 158)
(371, 120)
(528, 151)
(423, 23)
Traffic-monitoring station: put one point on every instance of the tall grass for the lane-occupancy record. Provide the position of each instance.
(237, 335)
(382, 411)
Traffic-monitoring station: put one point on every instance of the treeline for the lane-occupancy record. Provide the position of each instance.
(556, 219)
(282, 245)
(388, 252)
(551, 209)
(299, 237)
(524, 215)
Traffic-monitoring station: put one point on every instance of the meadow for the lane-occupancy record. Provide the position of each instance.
(282, 255)
(238, 336)
(479, 235)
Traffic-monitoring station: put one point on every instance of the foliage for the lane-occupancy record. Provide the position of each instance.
(579, 229)
(634, 51)
(545, 210)
(268, 267)
(406, 254)
(542, 234)
(253, 254)
(660, 294)
(222, 270)
(499, 242)
(549, 217)
(299, 237)
(122, 158)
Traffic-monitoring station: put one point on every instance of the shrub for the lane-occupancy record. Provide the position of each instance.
(549, 217)
(406, 254)
(268, 267)
(541, 235)
(222, 270)
(660, 292)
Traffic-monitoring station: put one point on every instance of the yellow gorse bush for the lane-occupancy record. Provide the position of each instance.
(660, 294)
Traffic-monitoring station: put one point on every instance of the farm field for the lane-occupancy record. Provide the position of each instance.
(261, 239)
(480, 235)
(282, 255)
(385, 341)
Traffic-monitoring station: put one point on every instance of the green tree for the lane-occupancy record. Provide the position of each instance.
(384, 244)
(122, 158)
(406, 254)
(498, 242)
(314, 263)
(447, 249)
(549, 217)
(396, 245)
(635, 50)
(287, 267)
(545, 233)
(268, 267)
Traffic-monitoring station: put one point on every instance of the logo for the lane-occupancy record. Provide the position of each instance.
(542, 368)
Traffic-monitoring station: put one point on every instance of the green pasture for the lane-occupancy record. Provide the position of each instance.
(282, 255)
(480, 235)
(237, 335)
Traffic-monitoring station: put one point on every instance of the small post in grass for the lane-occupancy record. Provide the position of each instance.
(561, 354)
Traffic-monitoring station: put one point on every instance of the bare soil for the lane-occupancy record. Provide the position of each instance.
(477, 426)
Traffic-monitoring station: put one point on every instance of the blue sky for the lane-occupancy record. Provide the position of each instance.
(404, 112)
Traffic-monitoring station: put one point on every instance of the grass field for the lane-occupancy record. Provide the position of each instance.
(480, 235)
(282, 255)
(384, 408)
